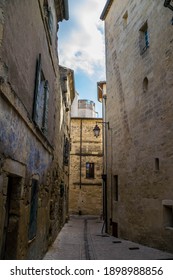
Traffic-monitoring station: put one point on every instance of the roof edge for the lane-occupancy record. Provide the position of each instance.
(62, 10)
(66, 10)
(106, 9)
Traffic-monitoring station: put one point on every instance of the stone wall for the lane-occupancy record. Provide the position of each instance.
(29, 159)
(85, 194)
(139, 111)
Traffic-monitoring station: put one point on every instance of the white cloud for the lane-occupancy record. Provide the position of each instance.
(81, 40)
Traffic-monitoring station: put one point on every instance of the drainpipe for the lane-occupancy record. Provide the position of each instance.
(105, 163)
(80, 153)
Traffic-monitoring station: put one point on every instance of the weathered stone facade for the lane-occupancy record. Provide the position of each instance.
(68, 94)
(33, 128)
(139, 69)
(85, 195)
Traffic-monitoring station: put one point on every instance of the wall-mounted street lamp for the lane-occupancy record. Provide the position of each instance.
(96, 132)
(168, 4)
(96, 129)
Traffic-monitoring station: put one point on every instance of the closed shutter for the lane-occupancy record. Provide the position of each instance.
(37, 86)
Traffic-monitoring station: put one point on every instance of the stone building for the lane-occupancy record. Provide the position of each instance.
(83, 108)
(86, 161)
(34, 128)
(68, 94)
(139, 70)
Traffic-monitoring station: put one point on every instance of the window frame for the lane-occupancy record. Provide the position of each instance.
(116, 187)
(41, 99)
(48, 19)
(144, 41)
(90, 168)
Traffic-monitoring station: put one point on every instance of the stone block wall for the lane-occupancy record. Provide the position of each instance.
(27, 155)
(139, 111)
(85, 194)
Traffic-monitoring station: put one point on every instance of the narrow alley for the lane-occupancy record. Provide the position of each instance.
(82, 239)
(86, 130)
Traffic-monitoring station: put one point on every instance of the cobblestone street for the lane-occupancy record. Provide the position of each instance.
(82, 239)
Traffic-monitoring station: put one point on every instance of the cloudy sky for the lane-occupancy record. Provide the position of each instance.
(81, 46)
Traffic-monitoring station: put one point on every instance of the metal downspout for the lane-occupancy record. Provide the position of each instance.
(80, 153)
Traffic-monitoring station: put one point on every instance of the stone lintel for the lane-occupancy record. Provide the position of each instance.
(14, 167)
(167, 202)
(88, 184)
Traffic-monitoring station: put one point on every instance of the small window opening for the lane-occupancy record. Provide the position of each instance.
(157, 164)
(115, 187)
(125, 19)
(168, 216)
(49, 19)
(89, 170)
(145, 84)
(143, 38)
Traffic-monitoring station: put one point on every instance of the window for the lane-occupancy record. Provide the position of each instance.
(89, 170)
(125, 19)
(157, 164)
(145, 84)
(115, 191)
(49, 19)
(33, 210)
(66, 151)
(168, 214)
(41, 97)
(143, 38)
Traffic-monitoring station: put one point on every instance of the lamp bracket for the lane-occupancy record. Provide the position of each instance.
(104, 123)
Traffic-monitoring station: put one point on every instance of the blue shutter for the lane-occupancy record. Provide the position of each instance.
(146, 39)
(45, 111)
(37, 86)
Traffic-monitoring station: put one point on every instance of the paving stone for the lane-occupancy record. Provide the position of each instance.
(82, 238)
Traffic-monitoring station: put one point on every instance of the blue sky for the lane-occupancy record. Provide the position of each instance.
(81, 46)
